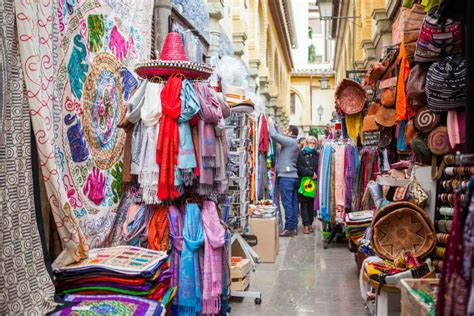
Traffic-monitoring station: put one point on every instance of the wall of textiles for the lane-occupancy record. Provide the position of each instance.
(338, 161)
(78, 71)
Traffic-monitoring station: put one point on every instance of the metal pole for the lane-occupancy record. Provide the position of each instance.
(162, 16)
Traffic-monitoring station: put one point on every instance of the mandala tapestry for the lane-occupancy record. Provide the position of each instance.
(78, 58)
(25, 285)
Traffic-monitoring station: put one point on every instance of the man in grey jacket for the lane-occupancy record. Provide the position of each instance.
(287, 175)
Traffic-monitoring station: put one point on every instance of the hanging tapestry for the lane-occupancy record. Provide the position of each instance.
(78, 59)
(25, 285)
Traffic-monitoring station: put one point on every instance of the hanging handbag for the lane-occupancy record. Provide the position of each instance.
(445, 84)
(388, 91)
(416, 193)
(416, 83)
(439, 37)
(376, 71)
(411, 30)
(307, 187)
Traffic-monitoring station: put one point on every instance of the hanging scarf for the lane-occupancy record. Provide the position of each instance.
(151, 110)
(195, 134)
(213, 246)
(176, 236)
(189, 289)
(135, 103)
(187, 156)
(168, 139)
(325, 179)
(135, 224)
(158, 230)
(210, 114)
(149, 170)
(454, 286)
(222, 151)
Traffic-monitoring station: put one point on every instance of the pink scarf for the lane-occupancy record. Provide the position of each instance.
(214, 238)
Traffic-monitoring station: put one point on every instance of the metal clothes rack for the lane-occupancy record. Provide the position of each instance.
(238, 140)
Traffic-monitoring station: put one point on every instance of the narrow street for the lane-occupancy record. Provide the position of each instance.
(305, 280)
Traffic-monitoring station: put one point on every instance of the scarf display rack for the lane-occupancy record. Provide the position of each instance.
(338, 164)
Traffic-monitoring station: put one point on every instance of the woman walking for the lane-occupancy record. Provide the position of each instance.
(307, 165)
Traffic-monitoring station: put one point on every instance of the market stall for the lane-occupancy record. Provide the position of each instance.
(406, 118)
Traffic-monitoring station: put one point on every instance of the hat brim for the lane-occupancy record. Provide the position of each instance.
(167, 68)
(243, 108)
(386, 117)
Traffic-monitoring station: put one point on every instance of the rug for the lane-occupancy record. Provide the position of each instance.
(25, 285)
(78, 59)
(88, 305)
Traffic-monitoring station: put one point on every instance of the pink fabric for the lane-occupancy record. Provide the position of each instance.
(456, 129)
(214, 238)
(339, 189)
(131, 214)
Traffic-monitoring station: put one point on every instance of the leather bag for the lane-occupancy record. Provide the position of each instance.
(388, 91)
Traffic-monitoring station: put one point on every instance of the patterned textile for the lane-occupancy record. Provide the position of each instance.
(25, 286)
(77, 58)
(453, 288)
(110, 305)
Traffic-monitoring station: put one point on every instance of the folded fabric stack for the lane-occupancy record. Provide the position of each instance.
(119, 270)
(111, 305)
(356, 224)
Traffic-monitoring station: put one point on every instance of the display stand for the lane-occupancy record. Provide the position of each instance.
(238, 140)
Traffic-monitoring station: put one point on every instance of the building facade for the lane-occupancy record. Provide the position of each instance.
(312, 79)
(262, 33)
(362, 29)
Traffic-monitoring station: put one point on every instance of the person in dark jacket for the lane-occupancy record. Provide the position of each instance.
(307, 165)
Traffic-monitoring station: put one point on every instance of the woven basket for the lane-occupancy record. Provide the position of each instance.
(350, 96)
(400, 227)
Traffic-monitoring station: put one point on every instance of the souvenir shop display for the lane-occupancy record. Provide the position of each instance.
(412, 113)
(119, 270)
(338, 162)
(143, 164)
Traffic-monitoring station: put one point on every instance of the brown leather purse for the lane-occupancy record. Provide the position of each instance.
(411, 30)
(388, 91)
(416, 83)
(376, 71)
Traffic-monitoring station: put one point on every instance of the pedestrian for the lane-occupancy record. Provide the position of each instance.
(301, 142)
(287, 175)
(307, 164)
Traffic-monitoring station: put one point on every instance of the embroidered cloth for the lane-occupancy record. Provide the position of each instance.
(78, 57)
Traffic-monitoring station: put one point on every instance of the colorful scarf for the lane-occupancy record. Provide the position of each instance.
(189, 289)
(158, 230)
(454, 286)
(168, 139)
(176, 235)
(210, 114)
(324, 182)
(214, 238)
(187, 156)
(135, 224)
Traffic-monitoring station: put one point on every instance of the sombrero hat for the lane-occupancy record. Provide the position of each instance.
(238, 102)
(173, 60)
(369, 124)
(350, 96)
